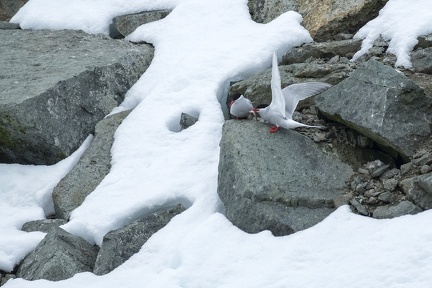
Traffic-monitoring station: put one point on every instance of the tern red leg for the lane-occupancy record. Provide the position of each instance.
(273, 129)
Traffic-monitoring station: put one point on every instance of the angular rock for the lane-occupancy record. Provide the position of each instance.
(45, 225)
(415, 193)
(380, 102)
(9, 8)
(425, 182)
(90, 170)
(422, 60)
(324, 50)
(187, 121)
(7, 25)
(126, 24)
(119, 245)
(324, 19)
(56, 86)
(400, 209)
(282, 182)
(58, 256)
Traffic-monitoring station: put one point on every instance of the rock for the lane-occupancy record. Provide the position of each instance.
(379, 171)
(378, 102)
(9, 8)
(119, 245)
(187, 121)
(56, 86)
(45, 225)
(324, 50)
(7, 25)
(425, 182)
(424, 41)
(324, 19)
(389, 174)
(415, 193)
(406, 168)
(58, 256)
(425, 159)
(126, 24)
(282, 182)
(359, 207)
(390, 185)
(400, 209)
(387, 197)
(5, 278)
(421, 60)
(90, 170)
(425, 169)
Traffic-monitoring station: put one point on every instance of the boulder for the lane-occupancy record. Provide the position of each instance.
(413, 188)
(44, 225)
(282, 182)
(422, 60)
(90, 170)
(382, 104)
(9, 8)
(119, 245)
(400, 209)
(56, 86)
(324, 19)
(126, 24)
(58, 256)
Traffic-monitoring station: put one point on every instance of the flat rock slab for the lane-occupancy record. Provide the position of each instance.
(56, 85)
(126, 24)
(382, 104)
(282, 182)
(91, 169)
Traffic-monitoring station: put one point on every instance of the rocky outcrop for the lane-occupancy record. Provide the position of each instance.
(48, 105)
(378, 101)
(59, 256)
(92, 167)
(119, 245)
(9, 8)
(324, 19)
(281, 182)
(126, 24)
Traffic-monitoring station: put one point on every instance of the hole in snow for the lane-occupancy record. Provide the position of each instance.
(186, 120)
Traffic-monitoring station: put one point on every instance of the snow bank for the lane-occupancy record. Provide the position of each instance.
(401, 22)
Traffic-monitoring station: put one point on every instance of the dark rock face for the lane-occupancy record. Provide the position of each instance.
(56, 90)
(45, 225)
(281, 182)
(59, 256)
(93, 166)
(378, 102)
(9, 8)
(126, 24)
(119, 245)
(7, 26)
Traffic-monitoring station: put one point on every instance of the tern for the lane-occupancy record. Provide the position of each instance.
(279, 112)
(241, 107)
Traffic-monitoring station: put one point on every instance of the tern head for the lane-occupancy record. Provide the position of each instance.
(234, 97)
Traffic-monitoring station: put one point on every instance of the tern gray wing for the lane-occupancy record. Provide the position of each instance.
(277, 105)
(296, 92)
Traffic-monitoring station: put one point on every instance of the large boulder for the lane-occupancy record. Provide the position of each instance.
(9, 8)
(126, 24)
(282, 182)
(323, 18)
(91, 169)
(382, 104)
(119, 245)
(58, 256)
(56, 86)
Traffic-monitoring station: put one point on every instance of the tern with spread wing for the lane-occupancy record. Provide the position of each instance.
(279, 112)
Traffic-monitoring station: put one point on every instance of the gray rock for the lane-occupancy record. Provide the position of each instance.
(8, 8)
(282, 182)
(187, 121)
(387, 197)
(422, 60)
(119, 245)
(93, 166)
(390, 184)
(406, 168)
(126, 24)
(424, 41)
(378, 102)
(359, 207)
(324, 50)
(415, 193)
(7, 25)
(324, 19)
(58, 256)
(400, 209)
(425, 159)
(425, 182)
(425, 169)
(45, 225)
(5, 278)
(56, 86)
(379, 171)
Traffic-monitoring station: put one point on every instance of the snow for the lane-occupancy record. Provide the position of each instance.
(201, 46)
(401, 22)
